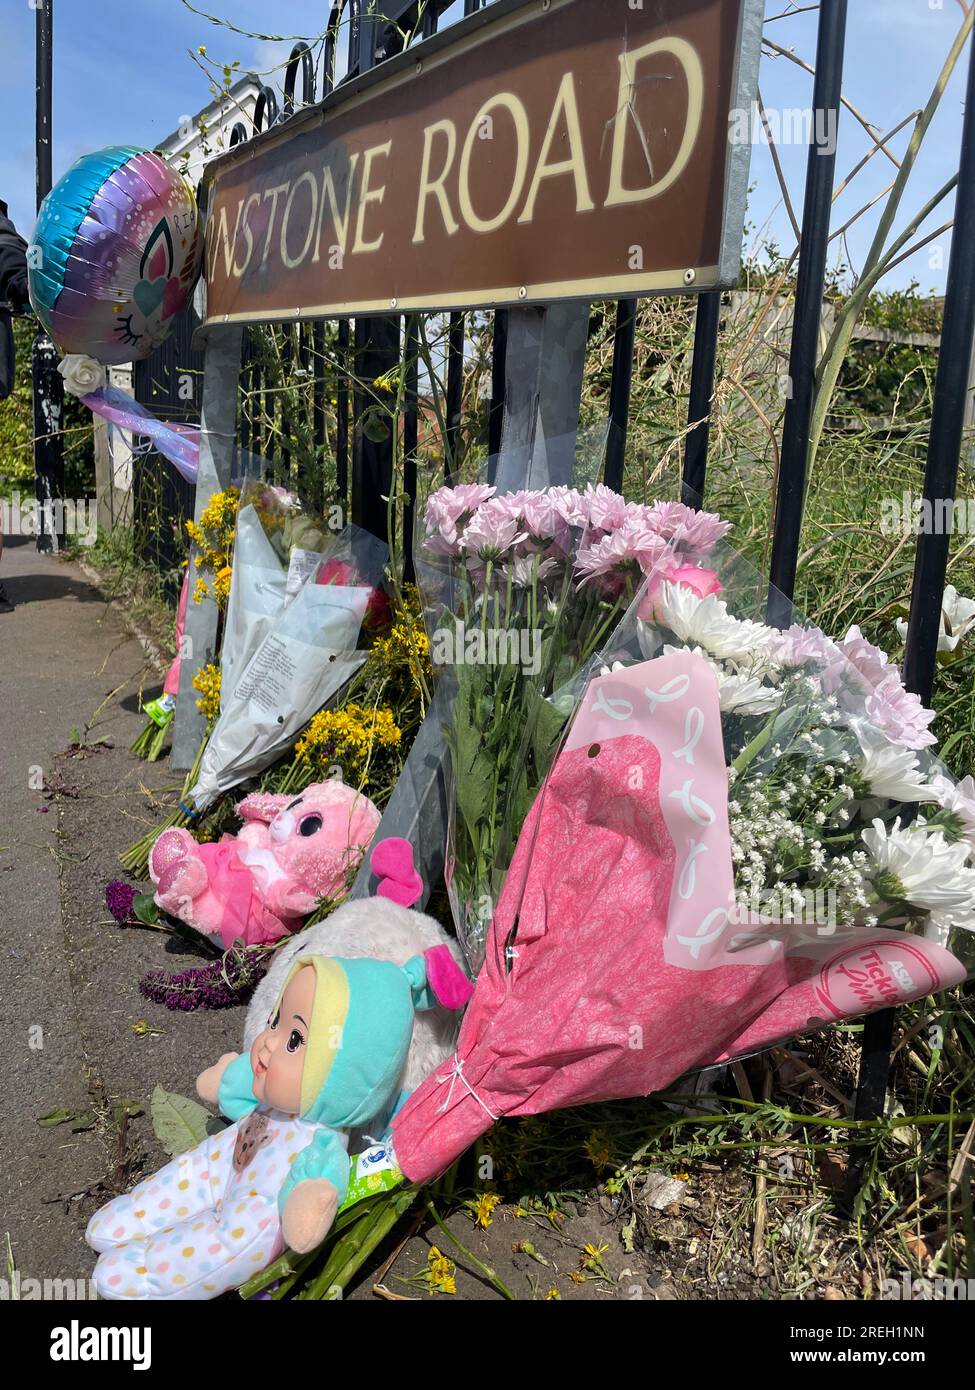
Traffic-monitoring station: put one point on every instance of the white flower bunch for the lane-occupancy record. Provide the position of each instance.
(833, 789)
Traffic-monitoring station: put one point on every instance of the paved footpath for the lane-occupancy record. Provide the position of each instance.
(72, 1019)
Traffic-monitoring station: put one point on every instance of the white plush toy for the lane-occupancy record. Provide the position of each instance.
(379, 928)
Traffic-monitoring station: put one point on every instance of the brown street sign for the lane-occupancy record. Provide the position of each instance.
(539, 150)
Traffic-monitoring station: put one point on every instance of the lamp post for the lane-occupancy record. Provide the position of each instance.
(47, 384)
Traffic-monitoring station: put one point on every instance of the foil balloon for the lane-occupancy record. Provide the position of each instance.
(116, 254)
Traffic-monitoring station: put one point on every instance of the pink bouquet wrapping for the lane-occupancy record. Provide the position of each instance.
(651, 924)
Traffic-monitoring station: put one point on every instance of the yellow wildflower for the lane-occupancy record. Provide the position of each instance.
(598, 1151)
(482, 1209)
(552, 1295)
(402, 656)
(207, 682)
(213, 536)
(350, 738)
(591, 1259)
(439, 1273)
(221, 585)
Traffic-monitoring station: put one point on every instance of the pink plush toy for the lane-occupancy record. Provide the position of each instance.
(262, 883)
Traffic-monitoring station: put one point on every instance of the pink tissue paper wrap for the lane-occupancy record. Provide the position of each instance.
(616, 961)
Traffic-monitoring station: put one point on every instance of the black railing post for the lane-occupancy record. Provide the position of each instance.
(411, 440)
(499, 353)
(342, 414)
(624, 341)
(931, 555)
(455, 396)
(707, 319)
(377, 348)
(813, 247)
(319, 417)
(300, 57)
(48, 388)
(947, 420)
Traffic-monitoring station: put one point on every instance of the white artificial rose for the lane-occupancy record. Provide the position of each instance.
(82, 374)
(957, 620)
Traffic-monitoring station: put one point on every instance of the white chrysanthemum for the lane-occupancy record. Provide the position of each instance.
(959, 799)
(920, 867)
(739, 692)
(707, 623)
(889, 771)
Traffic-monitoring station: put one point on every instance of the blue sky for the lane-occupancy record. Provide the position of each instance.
(124, 74)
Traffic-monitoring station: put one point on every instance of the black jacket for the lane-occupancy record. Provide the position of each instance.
(13, 294)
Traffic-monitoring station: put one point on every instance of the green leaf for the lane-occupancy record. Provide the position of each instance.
(126, 1109)
(178, 1122)
(547, 726)
(56, 1117)
(375, 427)
(145, 909)
(472, 770)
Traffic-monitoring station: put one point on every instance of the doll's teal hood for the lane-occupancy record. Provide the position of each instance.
(358, 1037)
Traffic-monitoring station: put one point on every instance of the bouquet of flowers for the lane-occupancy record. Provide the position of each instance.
(834, 793)
(297, 598)
(520, 591)
(744, 836)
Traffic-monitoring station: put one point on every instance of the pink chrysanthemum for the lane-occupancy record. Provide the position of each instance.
(899, 714)
(690, 531)
(804, 646)
(449, 510)
(493, 531)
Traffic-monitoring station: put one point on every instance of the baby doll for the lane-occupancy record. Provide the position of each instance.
(329, 1057)
(262, 883)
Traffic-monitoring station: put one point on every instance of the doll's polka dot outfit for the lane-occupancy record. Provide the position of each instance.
(206, 1222)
